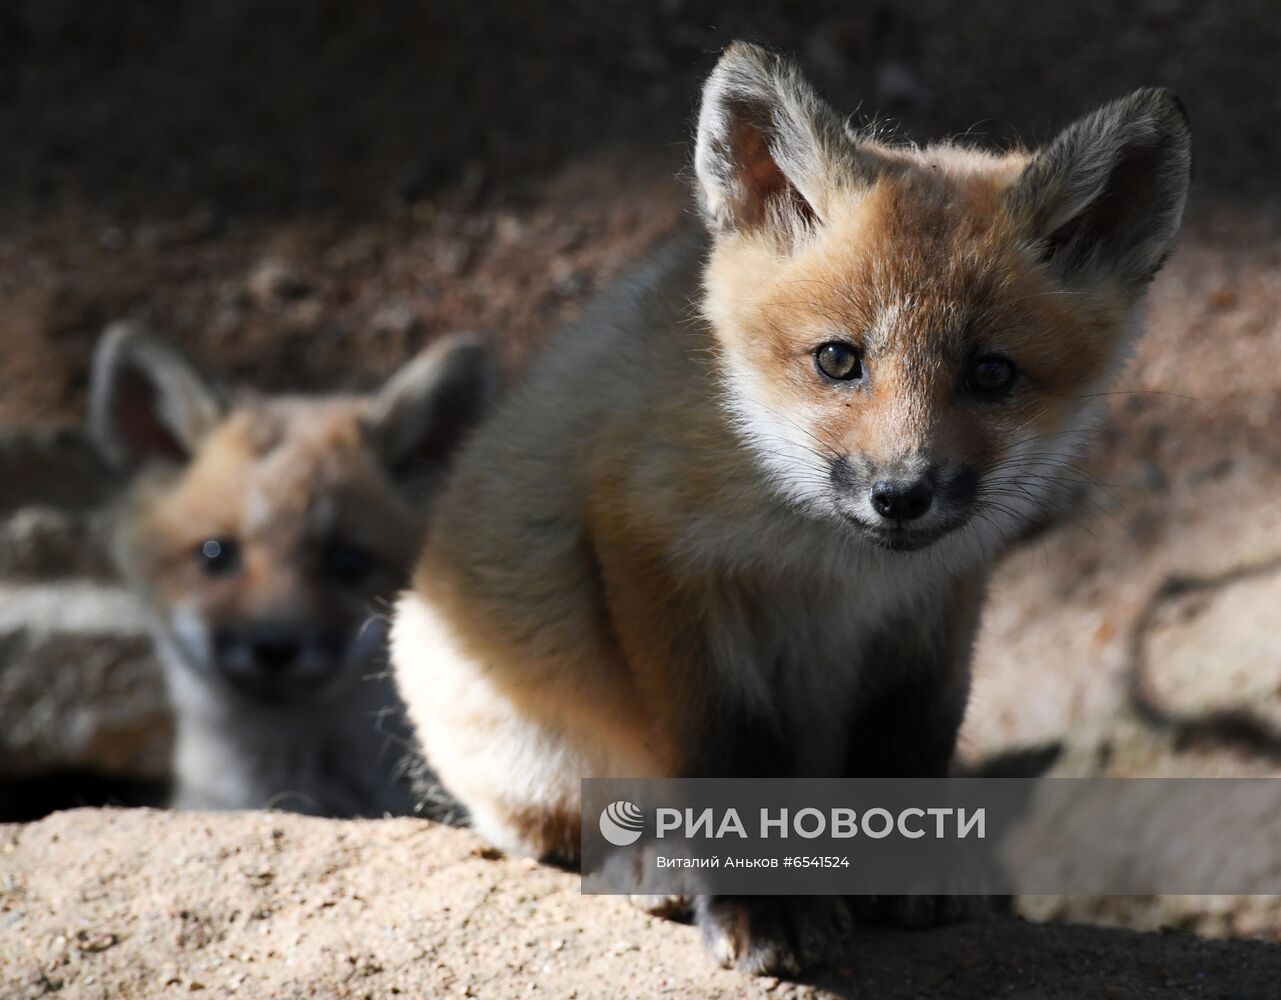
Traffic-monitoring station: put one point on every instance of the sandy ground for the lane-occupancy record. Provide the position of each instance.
(116, 904)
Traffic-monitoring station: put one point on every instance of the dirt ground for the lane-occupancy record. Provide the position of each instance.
(255, 905)
(304, 193)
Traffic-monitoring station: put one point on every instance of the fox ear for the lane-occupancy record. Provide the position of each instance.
(147, 402)
(425, 409)
(766, 147)
(1107, 194)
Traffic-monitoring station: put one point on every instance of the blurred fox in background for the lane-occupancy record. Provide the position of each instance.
(264, 535)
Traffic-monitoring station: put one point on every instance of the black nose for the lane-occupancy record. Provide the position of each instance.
(901, 501)
(275, 654)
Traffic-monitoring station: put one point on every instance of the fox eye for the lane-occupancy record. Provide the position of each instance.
(838, 361)
(348, 564)
(991, 375)
(218, 556)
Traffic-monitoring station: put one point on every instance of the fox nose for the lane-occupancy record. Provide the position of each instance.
(275, 654)
(266, 650)
(896, 500)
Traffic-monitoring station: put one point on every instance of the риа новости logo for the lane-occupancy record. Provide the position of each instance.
(621, 823)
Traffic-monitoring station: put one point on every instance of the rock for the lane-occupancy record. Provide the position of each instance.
(1131, 747)
(273, 281)
(141, 903)
(396, 318)
(1213, 646)
(454, 256)
(79, 687)
(567, 279)
(44, 542)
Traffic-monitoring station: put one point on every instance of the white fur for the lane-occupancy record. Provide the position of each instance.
(478, 740)
(338, 754)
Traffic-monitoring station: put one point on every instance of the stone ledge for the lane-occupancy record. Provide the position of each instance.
(47, 543)
(79, 686)
(138, 903)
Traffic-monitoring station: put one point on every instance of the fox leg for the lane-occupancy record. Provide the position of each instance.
(909, 730)
(517, 777)
(761, 935)
(910, 733)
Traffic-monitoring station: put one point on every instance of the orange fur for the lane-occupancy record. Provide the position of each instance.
(282, 478)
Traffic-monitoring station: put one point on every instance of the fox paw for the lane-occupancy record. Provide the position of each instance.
(668, 907)
(772, 935)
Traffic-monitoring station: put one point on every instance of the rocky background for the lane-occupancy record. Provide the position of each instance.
(304, 193)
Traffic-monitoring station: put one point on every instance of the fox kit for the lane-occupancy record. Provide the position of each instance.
(750, 536)
(261, 534)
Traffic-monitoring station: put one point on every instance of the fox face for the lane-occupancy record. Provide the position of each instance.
(266, 534)
(910, 337)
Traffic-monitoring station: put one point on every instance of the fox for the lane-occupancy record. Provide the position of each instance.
(265, 536)
(739, 518)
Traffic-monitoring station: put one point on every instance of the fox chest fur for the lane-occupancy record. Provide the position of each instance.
(807, 657)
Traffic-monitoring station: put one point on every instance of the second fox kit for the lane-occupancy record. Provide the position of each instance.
(750, 537)
(261, 534)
